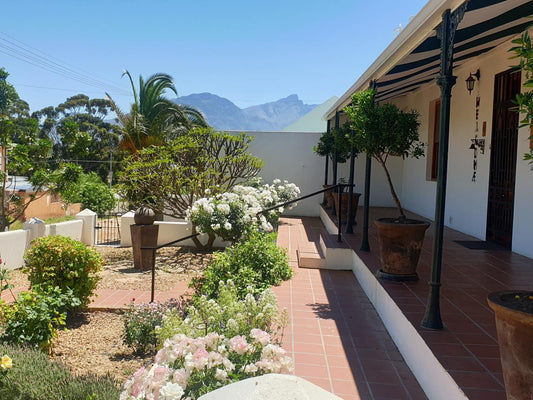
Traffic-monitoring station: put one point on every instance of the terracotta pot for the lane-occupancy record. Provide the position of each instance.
(400, 245)
(328, 196)
(514, 323)
(344, 205)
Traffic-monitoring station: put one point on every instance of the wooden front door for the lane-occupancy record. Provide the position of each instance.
(503, 159)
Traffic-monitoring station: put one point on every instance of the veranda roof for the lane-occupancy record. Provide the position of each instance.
(413, 58)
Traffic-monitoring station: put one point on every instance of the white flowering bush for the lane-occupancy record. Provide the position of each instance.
(186, 368)
(226, 314)
(230, 215)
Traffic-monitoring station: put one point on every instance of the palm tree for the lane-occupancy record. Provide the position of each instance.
(154, 119)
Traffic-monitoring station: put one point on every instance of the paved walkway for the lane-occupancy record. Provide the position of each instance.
(336, 337)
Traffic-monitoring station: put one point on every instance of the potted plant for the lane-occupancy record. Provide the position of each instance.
(514, 309)
(334, 139)
(383, 130)
(343, 210)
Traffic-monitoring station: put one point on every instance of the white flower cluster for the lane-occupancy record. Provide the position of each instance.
(185, 363)
(230, 214)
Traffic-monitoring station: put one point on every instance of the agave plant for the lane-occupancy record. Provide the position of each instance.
(154, 119)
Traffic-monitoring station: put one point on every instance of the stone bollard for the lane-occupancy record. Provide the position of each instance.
(144, 233)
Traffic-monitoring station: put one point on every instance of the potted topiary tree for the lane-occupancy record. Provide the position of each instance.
(514, 309)
(334, 139)
(383, 130)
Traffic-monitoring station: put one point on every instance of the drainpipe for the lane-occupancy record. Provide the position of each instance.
(446, 34)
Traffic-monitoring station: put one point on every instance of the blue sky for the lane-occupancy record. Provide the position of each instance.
(250, 52)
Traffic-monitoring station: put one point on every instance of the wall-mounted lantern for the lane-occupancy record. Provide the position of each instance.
(470, 81)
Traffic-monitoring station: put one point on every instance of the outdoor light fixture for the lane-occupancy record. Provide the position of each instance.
(470, 81)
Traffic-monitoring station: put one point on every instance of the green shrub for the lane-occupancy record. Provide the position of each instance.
(226, 315)
(140, 322)
(254, 265)
(36, 316)
(34, 377)
(66, 263)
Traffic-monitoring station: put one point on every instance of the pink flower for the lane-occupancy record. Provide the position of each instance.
(200, 358)
(260, 336)
(238, 344)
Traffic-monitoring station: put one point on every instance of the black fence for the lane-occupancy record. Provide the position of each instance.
(108, 229)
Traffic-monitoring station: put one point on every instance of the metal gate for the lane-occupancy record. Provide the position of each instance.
(108, 229)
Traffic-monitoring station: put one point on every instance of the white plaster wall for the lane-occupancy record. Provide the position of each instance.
(72, 229)
(289, 155)
(466, 201)
(12, 246)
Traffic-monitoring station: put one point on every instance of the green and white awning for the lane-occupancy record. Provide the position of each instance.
(486, 24)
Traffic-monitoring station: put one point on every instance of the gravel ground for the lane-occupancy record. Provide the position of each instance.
(92, 342)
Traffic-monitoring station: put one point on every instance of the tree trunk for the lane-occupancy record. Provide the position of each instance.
(393, 192)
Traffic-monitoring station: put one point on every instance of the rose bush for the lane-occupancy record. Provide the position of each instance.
(186, 368)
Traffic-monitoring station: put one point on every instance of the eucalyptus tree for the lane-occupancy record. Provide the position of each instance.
(152, 118)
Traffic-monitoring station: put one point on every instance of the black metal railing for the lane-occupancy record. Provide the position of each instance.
(339, 187)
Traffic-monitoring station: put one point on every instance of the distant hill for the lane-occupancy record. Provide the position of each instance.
(222, 114)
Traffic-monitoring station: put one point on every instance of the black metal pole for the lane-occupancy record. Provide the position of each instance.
(325, 179)
(349, 225)
(152, 294)
(339, 214)
(365, 245)
(446, 33)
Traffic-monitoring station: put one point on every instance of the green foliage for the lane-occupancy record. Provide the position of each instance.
(92, 193)
(524, 100)
(66, 263)
(36, 316)
(254, 265)
(170, 177)
(335, 139)
(140, 322)
(79, 130)
(226, 314)
(383, 130)
(34, 377)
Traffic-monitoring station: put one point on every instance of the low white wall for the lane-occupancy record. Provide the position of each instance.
(71, 229)
(13, 244)
(168, 232)
(12, 247)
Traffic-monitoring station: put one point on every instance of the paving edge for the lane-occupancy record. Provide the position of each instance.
(430, 374)
(436, 382)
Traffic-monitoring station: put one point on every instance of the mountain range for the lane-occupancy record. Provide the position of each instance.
(222, 114)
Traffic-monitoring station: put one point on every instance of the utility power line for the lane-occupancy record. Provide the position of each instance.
(24, 52)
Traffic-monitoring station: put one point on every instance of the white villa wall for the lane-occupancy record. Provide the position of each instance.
(289, 155)
(466, 201)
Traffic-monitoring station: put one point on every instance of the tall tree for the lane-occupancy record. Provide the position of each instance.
(81, 133)
(154, 119)
(23, 153)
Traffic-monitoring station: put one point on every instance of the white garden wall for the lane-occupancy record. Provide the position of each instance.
(289, 155)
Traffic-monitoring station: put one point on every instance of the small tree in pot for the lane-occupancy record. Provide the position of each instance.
(334, 139)
(382, 131)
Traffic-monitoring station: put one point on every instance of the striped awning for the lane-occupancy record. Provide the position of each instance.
(485, 25)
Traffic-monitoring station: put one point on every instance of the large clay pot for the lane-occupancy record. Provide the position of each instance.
(344, 205)
(400, 245)
(514, 323)
(328, 196)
